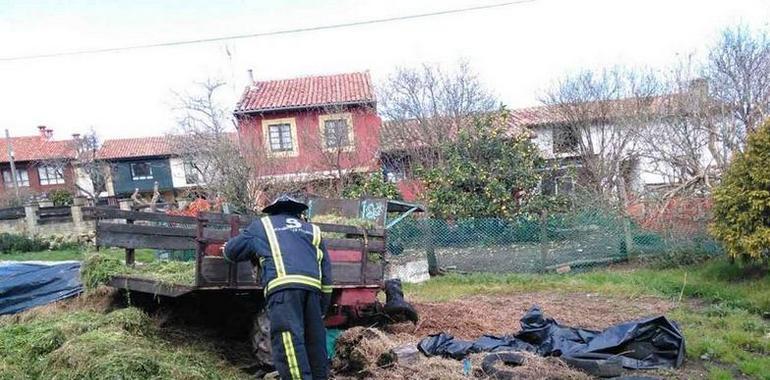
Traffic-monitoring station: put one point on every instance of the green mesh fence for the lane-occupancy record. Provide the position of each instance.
(536, 243)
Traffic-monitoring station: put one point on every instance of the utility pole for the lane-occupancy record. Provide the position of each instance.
(13, 164)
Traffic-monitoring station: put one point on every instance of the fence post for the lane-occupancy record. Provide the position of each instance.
(130, 252)
(628, 239)
(31, 217)
(543, 240)
(430, 251)
(77, 213)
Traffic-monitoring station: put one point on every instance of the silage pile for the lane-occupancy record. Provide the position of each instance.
(365, 353)
(83, 339)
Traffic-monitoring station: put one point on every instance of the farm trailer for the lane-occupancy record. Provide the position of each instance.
(358, 258)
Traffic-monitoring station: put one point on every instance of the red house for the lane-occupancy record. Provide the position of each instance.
(311, 128)
(42, 163)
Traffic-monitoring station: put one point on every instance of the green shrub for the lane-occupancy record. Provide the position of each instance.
(60, 197)
(742, 201)
(484, 173)
(373, 185)
(20, 243)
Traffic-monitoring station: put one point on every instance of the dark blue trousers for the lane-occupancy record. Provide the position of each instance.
(297, 334)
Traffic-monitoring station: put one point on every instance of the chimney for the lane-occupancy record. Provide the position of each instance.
(41, 130)
(48, 133)
(76, 136)
(251, 75)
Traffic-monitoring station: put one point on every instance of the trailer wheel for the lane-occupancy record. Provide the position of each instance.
(260, 339)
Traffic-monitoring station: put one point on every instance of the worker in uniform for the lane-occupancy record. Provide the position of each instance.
(295, 272)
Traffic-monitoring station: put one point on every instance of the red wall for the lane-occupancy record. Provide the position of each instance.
(34, 179)
(366, 131)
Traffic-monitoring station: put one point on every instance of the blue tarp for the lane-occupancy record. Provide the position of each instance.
(33, 283)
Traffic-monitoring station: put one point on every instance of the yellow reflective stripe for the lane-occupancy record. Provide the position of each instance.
(326, 288)
(294, 279)
(291, 356)
(317, 244)
(275, 248)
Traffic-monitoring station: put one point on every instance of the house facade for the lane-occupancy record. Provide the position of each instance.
(310, 128)
(140, 163)
(42, 164)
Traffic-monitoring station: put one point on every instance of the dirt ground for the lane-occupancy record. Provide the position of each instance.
(471, 317)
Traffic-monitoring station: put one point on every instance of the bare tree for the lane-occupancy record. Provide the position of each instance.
(738, 71)
(228, 164)
(686, 144)
(88, 162)
(593, 116)
(424, 106)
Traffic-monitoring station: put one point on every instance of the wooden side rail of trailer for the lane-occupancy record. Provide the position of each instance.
(358, 255)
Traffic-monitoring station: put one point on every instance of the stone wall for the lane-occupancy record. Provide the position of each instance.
(31, 225)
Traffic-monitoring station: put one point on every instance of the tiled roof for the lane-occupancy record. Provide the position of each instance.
(534, 116)
(311, 91)
(136, 147)
(36, 148)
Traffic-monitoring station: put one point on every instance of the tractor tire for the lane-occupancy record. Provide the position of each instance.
(260, 339)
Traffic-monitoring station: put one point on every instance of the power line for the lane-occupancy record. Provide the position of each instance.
(263, 34)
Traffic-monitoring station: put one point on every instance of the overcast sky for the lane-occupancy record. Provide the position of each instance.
(517, 50)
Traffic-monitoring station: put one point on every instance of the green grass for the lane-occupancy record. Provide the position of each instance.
(85, 344)
(716, 282)
(98, 268)
(142, 255)
(730, 330)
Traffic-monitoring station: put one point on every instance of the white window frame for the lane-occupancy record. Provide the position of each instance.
(135, 177)
(348, 118)
(50, 175)
(266, 124)
(22, 178)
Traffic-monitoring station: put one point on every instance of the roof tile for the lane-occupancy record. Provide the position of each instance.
(307, 92)
(136, 147)
(36, 148)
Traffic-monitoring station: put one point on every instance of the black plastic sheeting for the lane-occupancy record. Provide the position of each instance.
(28, 284)
(641, 344)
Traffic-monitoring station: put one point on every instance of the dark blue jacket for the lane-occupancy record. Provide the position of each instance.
(290, 253)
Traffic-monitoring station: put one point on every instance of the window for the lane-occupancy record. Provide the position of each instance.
(191, 175)
(566, 139)
(50, 175)
(140, 171)
(22, 178)
(336, 133)
(280, 138)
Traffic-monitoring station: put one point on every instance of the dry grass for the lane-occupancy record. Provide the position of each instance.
(472, 317)
(363, 353)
